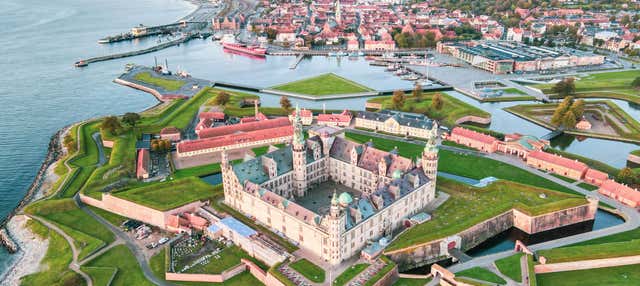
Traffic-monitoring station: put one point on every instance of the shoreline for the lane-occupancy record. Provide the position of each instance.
(32, 251)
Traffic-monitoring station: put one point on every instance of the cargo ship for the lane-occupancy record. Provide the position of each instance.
(249, 50)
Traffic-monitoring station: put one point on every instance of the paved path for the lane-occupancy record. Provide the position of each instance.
(117, 242)
(137, 252)
(524, 269)
(74, 262)
(492, 267)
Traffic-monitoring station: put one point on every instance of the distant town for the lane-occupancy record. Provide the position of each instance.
(455, 174)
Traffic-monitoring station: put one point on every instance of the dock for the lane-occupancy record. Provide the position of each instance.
(164, 45)
(296, 62)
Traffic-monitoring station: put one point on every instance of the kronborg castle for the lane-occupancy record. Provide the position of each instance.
(330, 195)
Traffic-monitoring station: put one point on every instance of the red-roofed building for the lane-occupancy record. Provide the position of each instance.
(341, 120)
(573, 169)
(621, 193)
(372, 45)
(595, 177)
(233, 140)
(170, 133)
(184, 223)
(474, 139)
(305, 114)
(246, 127)
(142, 167)
(353, 45)
(215, 115)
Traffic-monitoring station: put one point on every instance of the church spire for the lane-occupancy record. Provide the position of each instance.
(298, 136)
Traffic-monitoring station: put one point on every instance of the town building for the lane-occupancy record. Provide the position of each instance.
(305, 115)
(620, 192)
(396, 122)
(170, 133)
(372, 191)
(473, 139)
(332, 119)
(573, 169)
(142, 166)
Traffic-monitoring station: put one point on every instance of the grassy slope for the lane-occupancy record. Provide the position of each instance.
(309, 270)
(170, 194)
(87, 233)
(510, 267)
(167, 84)
(452, 110)
(324, 84)
(594, 251)
(618, 237)
(608, 85)
(129, 272)
(54, 265)
(468, 206)
(350, 273)
(83, 162)
(621, 275)
(481, 274)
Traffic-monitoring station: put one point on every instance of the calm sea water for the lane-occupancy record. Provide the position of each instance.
(41, 91)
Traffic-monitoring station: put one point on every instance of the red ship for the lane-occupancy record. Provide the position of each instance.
(242, 48)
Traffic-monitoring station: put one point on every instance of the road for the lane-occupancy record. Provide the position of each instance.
(631, 215)
(137, 252)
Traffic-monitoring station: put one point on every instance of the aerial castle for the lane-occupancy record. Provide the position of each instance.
(294, 191)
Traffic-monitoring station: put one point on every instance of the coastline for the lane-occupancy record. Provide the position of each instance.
(32, 251)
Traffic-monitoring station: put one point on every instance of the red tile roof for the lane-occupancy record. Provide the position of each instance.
(169, 130)
(246, 127)
(345, 116)
(232, 139)
(473, 135)
(615, 189)
(559, 160)
(595, 174)
(303, 113)
(143, 162)
(217, 115)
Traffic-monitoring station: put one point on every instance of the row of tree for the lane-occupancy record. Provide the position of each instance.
(112, 123)
(399, 98)
(568, 112)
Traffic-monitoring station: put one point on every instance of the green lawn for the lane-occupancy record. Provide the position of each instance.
(99, 275)
(325, 84)
(481, 274)
(54, 265)
(129, 272)
(167, 84)
(608, 85)
(229, 258)
(88, 234)
(620, 275)
(170, 194)
(411, 282)
(569, 180)
(463, 165)
(309, 270)
(112, 218)
(468, 206)
(592, 251)
(613, 113)
(452, 109)
(510, 266)
(588, 187)
(636, 152)
(513, 90)
(263, 149)
(618, 237)
(350, 273)
(83, 162)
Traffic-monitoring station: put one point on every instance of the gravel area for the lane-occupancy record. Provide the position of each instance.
(32, 250)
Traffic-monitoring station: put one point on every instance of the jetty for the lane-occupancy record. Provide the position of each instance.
(296, 62)
(164, 45)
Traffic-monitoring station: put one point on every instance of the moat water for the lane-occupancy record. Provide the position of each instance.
(42, 91)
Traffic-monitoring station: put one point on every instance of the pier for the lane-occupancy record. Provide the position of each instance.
(140, 52)
(296, 62)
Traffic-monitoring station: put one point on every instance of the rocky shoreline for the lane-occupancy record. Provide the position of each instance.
(32, 250)
(54, 152)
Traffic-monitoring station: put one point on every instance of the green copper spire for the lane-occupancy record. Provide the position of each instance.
(298, 136)
(431, 145)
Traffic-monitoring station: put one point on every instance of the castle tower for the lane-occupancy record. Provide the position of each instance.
(429, 160)
(336, 224)
(226, 170)
(299, 149)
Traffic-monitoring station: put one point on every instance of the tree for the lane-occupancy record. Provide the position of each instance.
(111, 124)
(131, 118)
(636, 82)
(628, 176)
(417, 93)
(561, 110)
(285, 103)
(436, 102)
(565, 87)
(569, 120)
(222, 98)
(397, 100)
(70, 144)
(577, 108)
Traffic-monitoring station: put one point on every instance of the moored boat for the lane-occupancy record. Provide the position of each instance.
(242, 48)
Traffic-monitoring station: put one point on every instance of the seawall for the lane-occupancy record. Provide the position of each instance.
(436, 250)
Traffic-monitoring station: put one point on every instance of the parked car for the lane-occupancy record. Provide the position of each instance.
(163, 240)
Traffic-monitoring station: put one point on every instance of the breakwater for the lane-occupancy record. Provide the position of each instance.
(53, 153)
